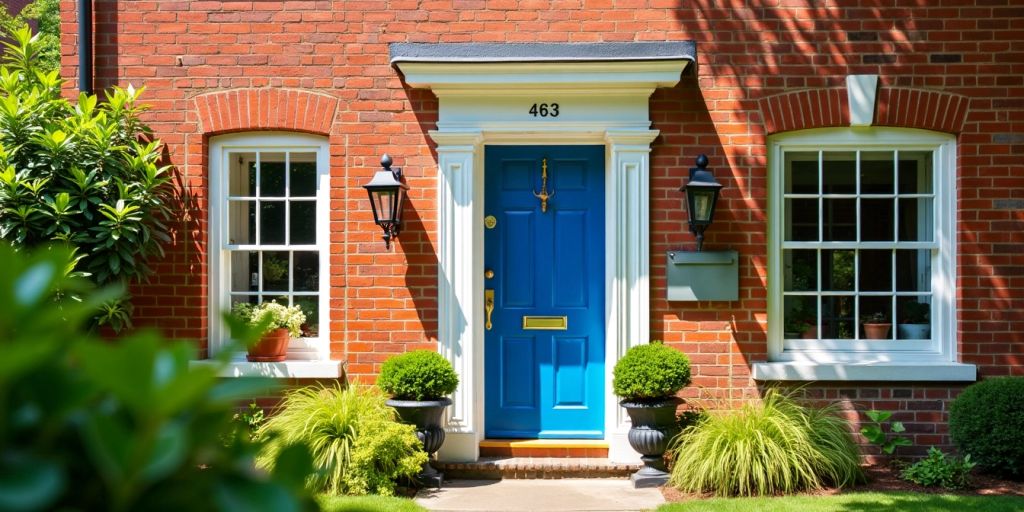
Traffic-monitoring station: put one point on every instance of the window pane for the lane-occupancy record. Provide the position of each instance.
(241, 222)
(307, 271)
(801, 270)
(839, 173)
(838, 315)
(876, 270)
(840, 220)
(272, 174)
(242, 174)
(914, 318)
(801, 317)
(913, 270)
(915, 172)
(837, 270)
(311, 307)
(802, 220)
(802, 173)
(876, 172)
(275, 271)
(877, 220)
(271, 222)
(244, 271)
(303, 174)
(303, 222)
(869, 308)
(915, 219)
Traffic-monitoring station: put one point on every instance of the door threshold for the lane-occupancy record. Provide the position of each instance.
(558, 448)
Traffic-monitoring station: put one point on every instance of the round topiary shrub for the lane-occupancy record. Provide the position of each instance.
(649, 373)
(987, 422)
(418, 375)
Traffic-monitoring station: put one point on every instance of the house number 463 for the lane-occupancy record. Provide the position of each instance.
(544, 110)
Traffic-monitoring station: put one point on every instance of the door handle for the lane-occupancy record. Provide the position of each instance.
(488, 307)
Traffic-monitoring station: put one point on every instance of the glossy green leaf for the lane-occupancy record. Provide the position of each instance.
(28, 483)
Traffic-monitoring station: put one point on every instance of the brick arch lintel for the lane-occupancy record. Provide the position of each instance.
(266, 109)
(895, 106)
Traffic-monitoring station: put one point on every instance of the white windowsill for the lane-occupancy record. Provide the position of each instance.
(295, 369)
(913, 372)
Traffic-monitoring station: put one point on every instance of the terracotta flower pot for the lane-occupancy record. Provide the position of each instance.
(272, 347)
(877, 331)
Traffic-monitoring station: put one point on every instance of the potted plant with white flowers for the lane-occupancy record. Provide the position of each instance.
(281, 323)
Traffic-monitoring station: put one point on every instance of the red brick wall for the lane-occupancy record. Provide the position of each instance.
(762, 64)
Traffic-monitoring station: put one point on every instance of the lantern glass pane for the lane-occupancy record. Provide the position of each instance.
(703, 201)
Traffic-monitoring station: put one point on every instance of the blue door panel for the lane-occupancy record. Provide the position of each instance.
(541, 383)
(571, 274)
(570, 379)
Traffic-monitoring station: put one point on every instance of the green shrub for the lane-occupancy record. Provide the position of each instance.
(385, 452)
(650, 372)
(82, 174)
(334, 423)
(939, 470)
(772, 446)
(418, 375)
(987, 421)
(87, 424)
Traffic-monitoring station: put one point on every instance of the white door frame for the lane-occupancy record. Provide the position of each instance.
(594, 110)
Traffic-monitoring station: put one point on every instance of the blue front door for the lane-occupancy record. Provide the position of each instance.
(544, 356)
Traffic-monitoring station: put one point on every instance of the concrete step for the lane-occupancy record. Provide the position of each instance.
(497, 468)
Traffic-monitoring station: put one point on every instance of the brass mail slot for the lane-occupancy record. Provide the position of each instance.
(545, 323)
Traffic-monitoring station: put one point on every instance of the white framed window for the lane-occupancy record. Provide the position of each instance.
(269, 238)
(862, 232)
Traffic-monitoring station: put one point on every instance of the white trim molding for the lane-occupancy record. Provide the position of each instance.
(488, 104)
(307, 357)
(935, 359)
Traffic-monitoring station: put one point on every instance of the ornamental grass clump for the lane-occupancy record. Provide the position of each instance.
(350, 432)
(649, 373)
(418, 375)
(772, 446)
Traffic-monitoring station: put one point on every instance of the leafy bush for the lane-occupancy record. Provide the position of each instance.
(773, 446)
(335, 423)
(876, 435)
(940, 470)
(270, 316)
(385, 452)
(83, 174)
(47, 14)
(650, 372)
(987, 421)
(418, 375)
(86, 424)
(250, 421)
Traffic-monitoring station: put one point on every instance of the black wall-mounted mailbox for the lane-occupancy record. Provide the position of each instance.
(708, 275)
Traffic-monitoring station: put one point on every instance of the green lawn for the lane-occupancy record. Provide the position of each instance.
(854, 502)
(367, 504)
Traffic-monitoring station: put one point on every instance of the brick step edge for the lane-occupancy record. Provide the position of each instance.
(536, 468)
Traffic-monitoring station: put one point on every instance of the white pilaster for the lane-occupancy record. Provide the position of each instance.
(627, 265)
(460, 285)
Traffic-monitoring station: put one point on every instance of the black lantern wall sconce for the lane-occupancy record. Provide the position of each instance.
(387, 198)
(701, 197)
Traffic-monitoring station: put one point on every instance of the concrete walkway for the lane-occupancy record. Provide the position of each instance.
(539, 496)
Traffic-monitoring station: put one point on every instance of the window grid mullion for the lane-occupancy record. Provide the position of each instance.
(821, 237)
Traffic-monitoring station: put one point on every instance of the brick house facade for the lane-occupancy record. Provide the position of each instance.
(762, 72)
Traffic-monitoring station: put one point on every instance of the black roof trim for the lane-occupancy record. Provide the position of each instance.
(542, 52)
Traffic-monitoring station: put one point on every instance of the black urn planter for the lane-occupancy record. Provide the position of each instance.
(426, 417)
(653, 427)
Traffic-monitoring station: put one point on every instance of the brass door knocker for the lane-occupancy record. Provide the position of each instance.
(543, 195)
